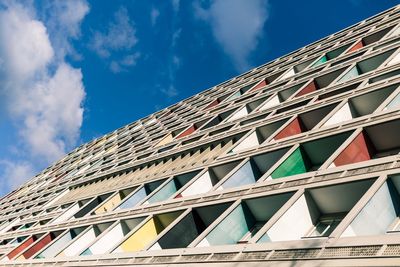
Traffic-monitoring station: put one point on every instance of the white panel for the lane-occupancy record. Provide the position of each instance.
(5, 259)
(7, 227)
(241, 113)
(118, 250)
(56, 198)
(394, 60)
(203, 243)
(156, 246)
(107, 241)
(343, 114)
(375, 217)
(332, 165)
(201, 185)
(79, 244)
(395, 32)
(67, 214)
(288, 74)
(249, 142)
(54, 248)
(270, 103)
(293, 224)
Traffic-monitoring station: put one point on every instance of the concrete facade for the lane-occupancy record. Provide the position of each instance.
(293, 163)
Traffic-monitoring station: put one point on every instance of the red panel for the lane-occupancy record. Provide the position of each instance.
(292, 128)
(212, 104)
(356, 46)
(357, 151)
(178, 196)
(259, 85)
(187, 132)
(311, 87)
(21, 247)
(38, 246)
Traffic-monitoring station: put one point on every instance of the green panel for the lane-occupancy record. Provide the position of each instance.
(245, 175)
(395, 103)
(294, 164)
(86, 252)
(183, 233)
(235, 95)
(350, 74)
(232, 228)
(320, 61)
(264, 239)
(335, 53)
(168, 190)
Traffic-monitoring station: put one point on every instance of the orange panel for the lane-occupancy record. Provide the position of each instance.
(259, 85)
(187, 132)
(212, 104)
(357, 46)
(38, 246)
(357, 151)
(292, 128)
(311, 87)
(21, 247)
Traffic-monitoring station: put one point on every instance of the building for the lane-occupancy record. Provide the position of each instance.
(295, 162)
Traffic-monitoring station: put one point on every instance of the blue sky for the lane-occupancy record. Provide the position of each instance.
(71, 71)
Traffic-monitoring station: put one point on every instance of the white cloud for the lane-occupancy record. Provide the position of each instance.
(236, 25)
(174, 63)
(63, 20)
(175, 36)
(169, 91)
(117, 66)
(154, 14)
(24, 44)
(15, 173)
(119, 36)
(51, 111)
(176, 60)
(42, 93)
(175, 5)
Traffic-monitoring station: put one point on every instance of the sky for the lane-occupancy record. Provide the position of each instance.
(72, 71)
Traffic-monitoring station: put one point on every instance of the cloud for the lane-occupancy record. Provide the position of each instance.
(175, 36)
(176, 60)
(120, 36)
(63, 19)
(15, 173)
(42, 93)
(121, 65)
(169, 91)
(154, 14)
(236, 25)
(174, 63)
(51, 112)
(175, 5)
(24, 45)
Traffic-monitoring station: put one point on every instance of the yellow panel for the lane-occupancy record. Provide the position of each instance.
(141, 237)
(109, 205)
(165, 140)
(20, 258)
